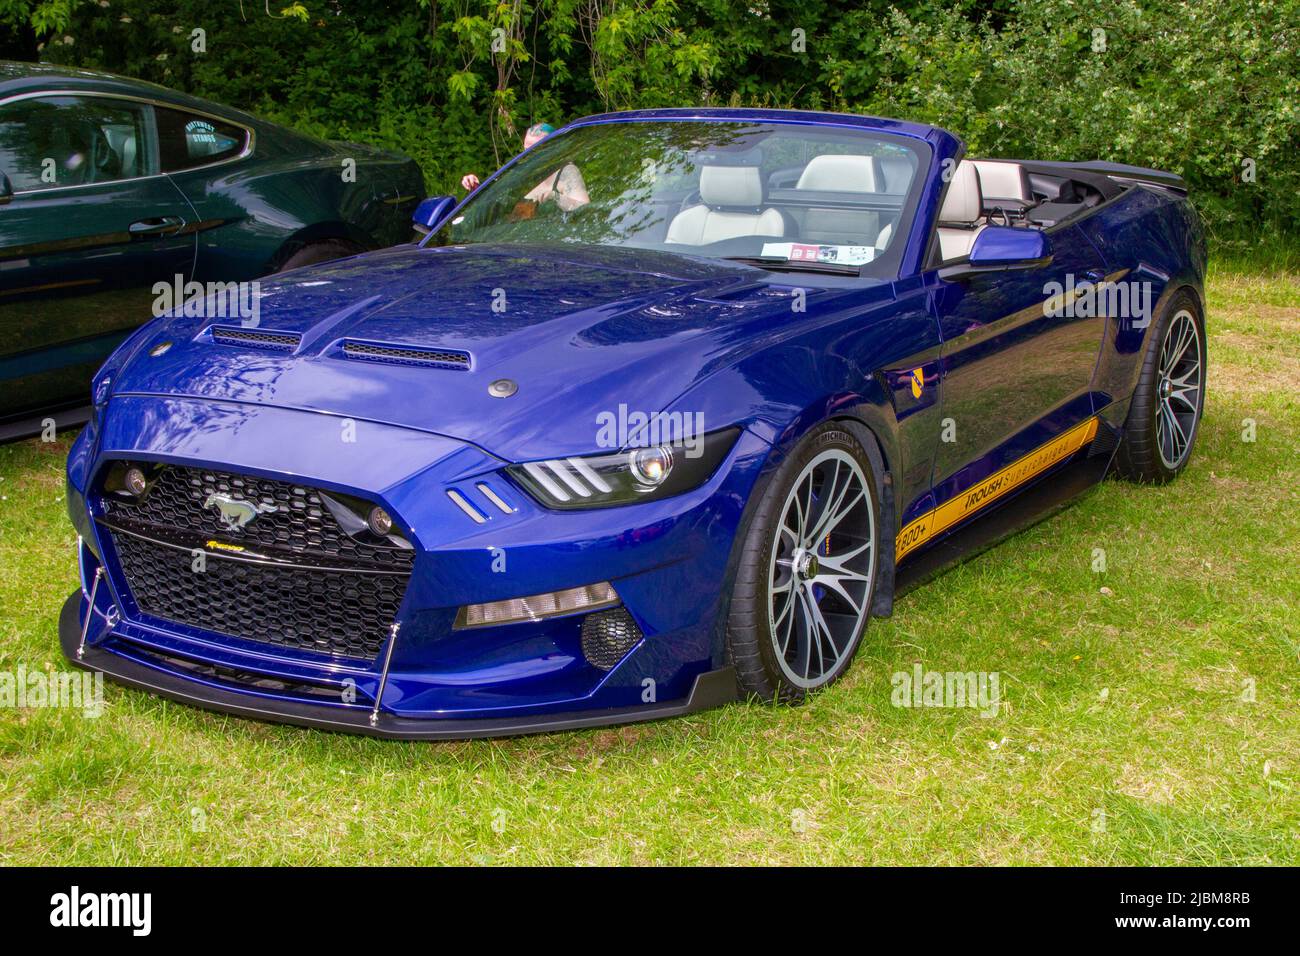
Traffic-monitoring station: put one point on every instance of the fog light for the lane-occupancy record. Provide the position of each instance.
(650, 466)
(379, 521)
(537, 607)
(134, 481)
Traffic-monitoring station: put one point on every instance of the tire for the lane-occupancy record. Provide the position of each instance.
(1165, 414)
(785, 570)
(324, 251)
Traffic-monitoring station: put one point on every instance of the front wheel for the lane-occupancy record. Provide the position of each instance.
(807, 575)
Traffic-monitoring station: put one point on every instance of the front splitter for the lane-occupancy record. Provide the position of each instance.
(711, 689)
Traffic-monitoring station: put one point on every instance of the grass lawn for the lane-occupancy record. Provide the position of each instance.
(1130, 733)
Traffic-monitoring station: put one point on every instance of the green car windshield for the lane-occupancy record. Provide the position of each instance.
(787, 196)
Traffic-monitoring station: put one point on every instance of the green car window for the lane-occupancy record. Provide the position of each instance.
(187, 141)
(49, 142)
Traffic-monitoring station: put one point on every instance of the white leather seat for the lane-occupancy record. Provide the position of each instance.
(846, 174)
(898, 173)
(841, 173)
(731, 205)
(1000, 179)
(961, 216)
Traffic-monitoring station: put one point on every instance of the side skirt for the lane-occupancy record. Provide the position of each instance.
(1043, 498)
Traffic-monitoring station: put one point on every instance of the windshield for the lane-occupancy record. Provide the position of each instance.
(791, 197)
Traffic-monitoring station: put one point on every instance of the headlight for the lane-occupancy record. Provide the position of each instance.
(624, 477)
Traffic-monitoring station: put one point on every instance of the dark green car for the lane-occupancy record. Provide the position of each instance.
(110, 187)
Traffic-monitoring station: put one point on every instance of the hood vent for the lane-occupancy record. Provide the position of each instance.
(406, 355)
(256, 338)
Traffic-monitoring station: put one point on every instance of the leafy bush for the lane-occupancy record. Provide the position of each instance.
(1206, 90)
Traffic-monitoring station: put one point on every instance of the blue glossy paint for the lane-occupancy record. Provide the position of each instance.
(586, 330)
(432, 211)
(1008, 246)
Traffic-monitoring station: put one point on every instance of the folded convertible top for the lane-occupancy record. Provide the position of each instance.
(1121, 172)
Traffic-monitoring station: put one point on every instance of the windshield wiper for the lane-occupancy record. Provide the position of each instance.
(778, 264)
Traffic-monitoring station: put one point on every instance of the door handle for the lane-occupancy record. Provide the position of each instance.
(158, 226)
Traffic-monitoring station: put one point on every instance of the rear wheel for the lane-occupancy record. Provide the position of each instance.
(806, 578)
(1165, 414)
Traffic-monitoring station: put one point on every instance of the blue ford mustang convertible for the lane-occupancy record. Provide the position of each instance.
(659, 416)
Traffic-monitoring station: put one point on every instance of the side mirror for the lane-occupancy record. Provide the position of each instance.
(1001, 249)
(431, 212)
(6, 189)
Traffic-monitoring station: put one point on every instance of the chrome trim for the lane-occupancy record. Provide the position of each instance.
(249, 556)
(147, 101)
(496, 499)
(90, 611)
(383, 677)
(465, 506)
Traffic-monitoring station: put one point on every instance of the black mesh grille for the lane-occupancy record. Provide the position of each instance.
(607, 636)
(341, 613)
(301, 521)
(291, 576)
(280, 341)
(406, 356)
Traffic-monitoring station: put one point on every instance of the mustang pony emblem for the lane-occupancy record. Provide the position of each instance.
(235, 512)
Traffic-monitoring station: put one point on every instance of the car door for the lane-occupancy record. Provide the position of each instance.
(90, 227)
(199, 154)
(1015, 371)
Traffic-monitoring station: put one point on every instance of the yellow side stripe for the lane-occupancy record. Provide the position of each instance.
(937, 520)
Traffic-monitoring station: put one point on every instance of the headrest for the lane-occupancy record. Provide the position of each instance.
(963, 203)
(731, 186)
(898, 173)
(1003, 180)
(846, 174)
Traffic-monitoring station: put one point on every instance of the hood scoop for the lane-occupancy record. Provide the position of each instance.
(390, 354)
(255, 338)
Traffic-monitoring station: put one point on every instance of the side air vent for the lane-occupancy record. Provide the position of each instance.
(404, 355)
(256, 338)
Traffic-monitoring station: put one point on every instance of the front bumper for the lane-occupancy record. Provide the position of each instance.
(667, 563)
(711, 689)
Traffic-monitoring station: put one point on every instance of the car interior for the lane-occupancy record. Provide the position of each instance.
(986, 192)
(88, 145)
(855, 200)
(838, 199)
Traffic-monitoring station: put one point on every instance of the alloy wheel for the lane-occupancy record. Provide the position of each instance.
(822, 568)
(1178, 389)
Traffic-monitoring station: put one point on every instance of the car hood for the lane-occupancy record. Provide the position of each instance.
(580, 331)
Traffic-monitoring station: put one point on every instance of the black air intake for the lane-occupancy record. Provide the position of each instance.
(607, 636)
(404, 355)
(256, 338)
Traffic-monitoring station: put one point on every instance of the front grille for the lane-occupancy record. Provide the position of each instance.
(291, 577)
(401, 355)
(341, 613)
(277, 341)
(301, 522)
